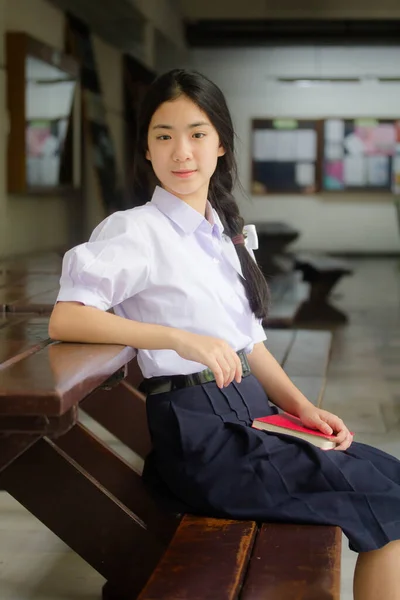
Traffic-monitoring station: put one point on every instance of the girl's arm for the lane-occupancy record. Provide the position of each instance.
(282, 392)
(75, 322)
(277, 385)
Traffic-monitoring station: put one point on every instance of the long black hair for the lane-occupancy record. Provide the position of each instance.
(209, 98)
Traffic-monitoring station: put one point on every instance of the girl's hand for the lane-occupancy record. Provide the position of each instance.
(328, 423)
(213, 352)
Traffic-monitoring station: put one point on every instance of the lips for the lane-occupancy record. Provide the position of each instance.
(183, 174)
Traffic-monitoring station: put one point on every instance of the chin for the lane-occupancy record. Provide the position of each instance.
(184, 187)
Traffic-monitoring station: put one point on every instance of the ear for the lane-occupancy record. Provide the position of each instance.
(221, 150)
(148, 157)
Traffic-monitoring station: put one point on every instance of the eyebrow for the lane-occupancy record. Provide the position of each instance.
(191, 126)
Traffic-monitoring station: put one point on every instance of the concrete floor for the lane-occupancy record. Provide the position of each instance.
(363, 388)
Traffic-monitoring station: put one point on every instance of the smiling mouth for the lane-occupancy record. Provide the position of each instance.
(184, 173)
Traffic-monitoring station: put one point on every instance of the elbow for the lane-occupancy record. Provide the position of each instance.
(65, 322)
(56, 328)
(52, 330)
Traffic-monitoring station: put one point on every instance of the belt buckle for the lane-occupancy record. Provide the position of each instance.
(243, 360)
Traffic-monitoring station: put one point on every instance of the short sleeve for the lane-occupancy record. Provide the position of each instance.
(111, 267)
(257, 330)
(257, 334)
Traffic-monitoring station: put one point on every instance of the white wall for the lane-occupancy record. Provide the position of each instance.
(345, 222)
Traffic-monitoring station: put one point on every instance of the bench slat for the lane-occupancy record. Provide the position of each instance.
(294, 561)
(19, 336)
(9, 279)
(52, 380)
(279, 343)
(312, 387)
(45, 263)
(42, 303)
(7, 319)
(27, 286)
(207, 558)
(309, 353)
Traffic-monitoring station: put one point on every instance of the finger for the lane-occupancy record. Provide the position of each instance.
(345, 444)
(335, 422)
(232, 368)
(226, 370)
(238, 371)
(342, 436)
(236, 367)
(323, 426)
(218, 373)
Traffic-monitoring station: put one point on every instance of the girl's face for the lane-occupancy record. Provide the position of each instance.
(183, 147)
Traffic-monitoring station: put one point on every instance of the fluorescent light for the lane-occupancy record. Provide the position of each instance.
(306, 82)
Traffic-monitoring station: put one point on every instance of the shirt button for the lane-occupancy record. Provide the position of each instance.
(216, 260)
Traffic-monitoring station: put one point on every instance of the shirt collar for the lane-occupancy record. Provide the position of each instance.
(183, 215)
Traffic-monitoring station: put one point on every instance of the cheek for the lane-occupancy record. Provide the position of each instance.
(159, 162)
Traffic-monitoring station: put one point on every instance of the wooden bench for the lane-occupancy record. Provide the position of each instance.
(322, 273)
(30, 284)
(95, 501)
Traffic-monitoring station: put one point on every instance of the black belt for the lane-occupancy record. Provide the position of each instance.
(168, 383)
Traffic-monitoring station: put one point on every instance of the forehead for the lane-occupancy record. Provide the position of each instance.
(182, 110)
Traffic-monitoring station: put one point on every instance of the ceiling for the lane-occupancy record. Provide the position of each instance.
(248, 22)
(289, 9)
(268, 22)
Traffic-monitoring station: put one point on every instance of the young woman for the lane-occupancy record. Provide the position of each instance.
(187, 293)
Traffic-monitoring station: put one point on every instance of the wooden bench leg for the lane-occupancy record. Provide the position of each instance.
(84, 515)
(317, 307)
(127, 420)
(294, 561)
(322, 311)
(119, 478)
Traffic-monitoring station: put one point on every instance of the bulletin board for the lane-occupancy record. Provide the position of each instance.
(360, 154)
(285, 156)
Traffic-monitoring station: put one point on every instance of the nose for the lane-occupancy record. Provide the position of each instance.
(181, 150)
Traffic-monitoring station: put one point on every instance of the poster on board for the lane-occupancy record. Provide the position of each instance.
(358, 154)
(284, 156)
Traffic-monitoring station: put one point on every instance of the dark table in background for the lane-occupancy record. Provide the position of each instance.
(273, 239)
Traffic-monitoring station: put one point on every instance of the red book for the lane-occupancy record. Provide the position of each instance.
(290, 425)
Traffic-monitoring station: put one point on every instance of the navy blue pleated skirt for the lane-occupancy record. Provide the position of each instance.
(211, 462)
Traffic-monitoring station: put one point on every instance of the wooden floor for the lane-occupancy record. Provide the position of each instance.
(363, 388)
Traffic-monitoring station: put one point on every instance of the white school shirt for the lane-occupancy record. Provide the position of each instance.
(167, 264)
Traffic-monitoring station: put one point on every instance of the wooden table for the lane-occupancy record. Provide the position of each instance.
(30, 284)
(273, 239)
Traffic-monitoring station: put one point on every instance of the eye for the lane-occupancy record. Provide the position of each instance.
(199, 135)
(163, 137)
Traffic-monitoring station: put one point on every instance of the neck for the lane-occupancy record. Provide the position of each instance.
(197, 200)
